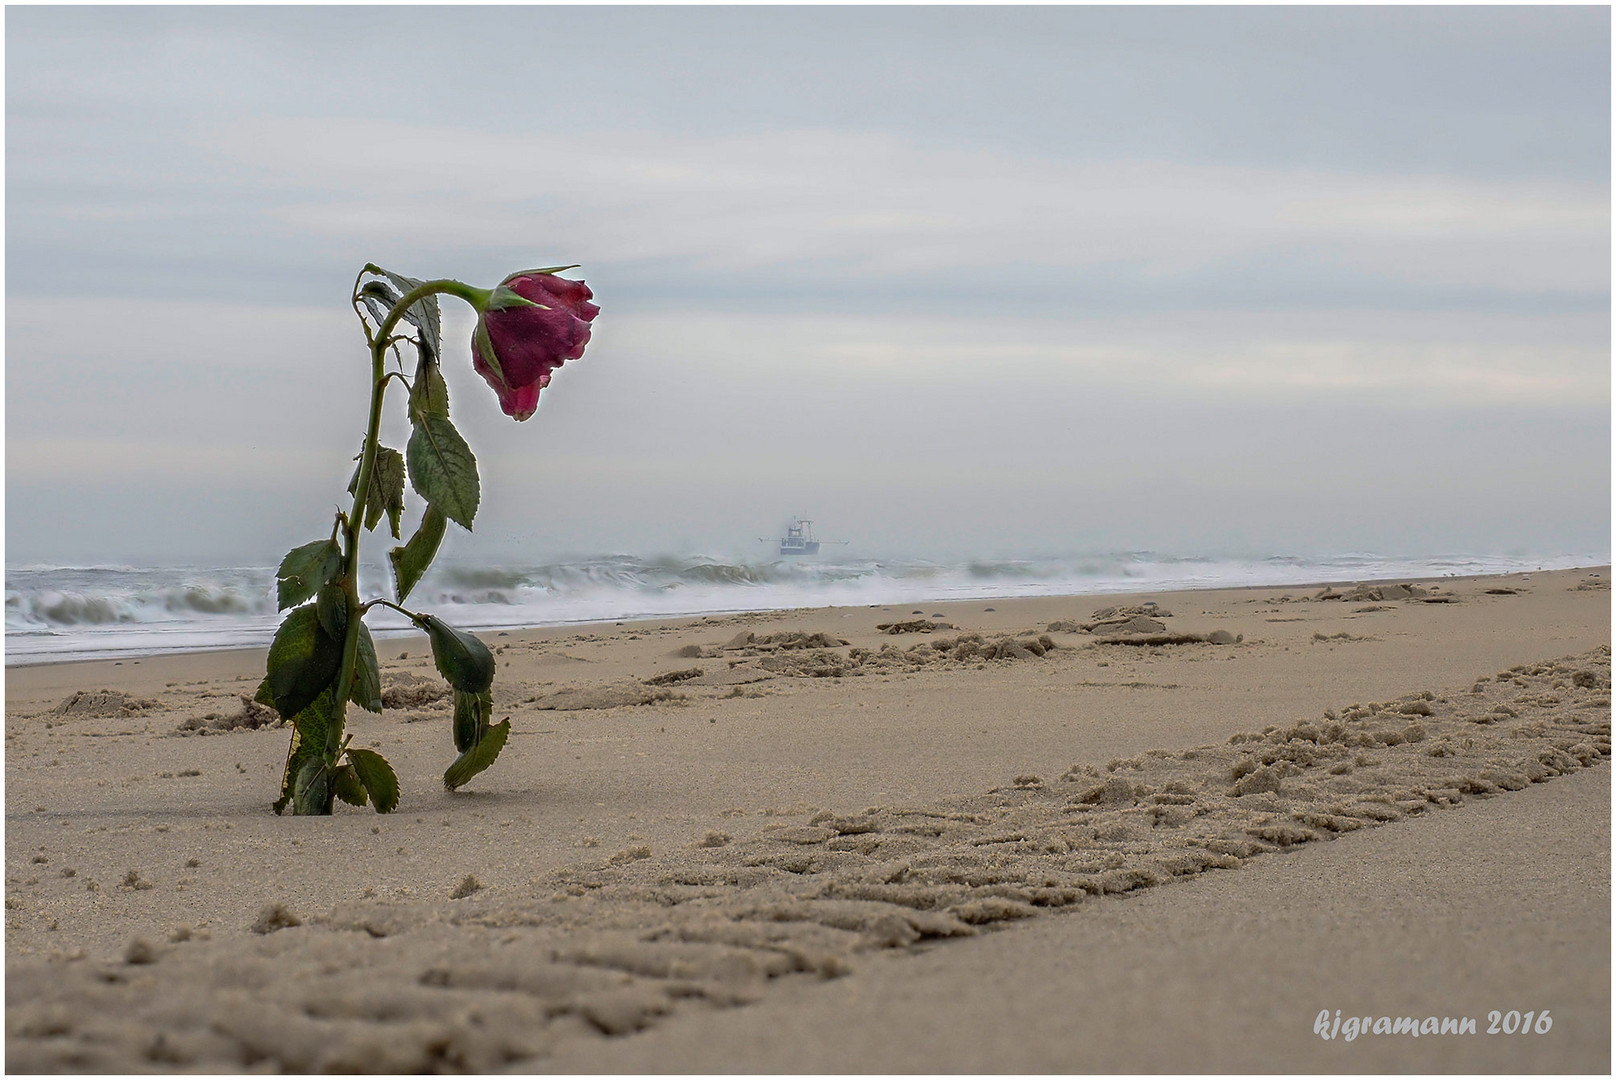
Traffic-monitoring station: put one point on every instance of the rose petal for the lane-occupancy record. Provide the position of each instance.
(531, 342)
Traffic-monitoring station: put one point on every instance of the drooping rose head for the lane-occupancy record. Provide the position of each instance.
(533, 323)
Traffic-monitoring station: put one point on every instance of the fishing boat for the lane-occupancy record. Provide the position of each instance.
(799, 538)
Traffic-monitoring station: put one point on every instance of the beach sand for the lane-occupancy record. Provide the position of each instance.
(882, 855)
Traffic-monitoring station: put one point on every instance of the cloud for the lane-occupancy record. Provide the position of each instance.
(877, 205)
(1439, 359)
(210, 390)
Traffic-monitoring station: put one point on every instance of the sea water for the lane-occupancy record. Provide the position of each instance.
(58, 613)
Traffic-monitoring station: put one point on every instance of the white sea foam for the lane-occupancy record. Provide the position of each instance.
(66, 613)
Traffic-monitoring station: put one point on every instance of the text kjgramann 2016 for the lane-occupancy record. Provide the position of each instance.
(1327, 1026)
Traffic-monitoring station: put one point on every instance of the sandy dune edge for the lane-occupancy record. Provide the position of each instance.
(605, 946)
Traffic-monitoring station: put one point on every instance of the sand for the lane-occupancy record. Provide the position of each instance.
(883, 855)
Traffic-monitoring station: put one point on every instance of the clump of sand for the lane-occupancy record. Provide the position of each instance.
(1216, 637)
(250, 717)
(1390, 591)
(1127, 619)
(402, 690)
(102, 705)
(914, 626)
(749, 642)
(608, 696)
(668, 678)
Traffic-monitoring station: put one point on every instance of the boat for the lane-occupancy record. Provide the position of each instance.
(799, 538)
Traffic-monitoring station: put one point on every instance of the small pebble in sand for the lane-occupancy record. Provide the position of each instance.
(468, 885)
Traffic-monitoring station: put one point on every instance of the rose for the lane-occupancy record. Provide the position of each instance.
(532, 324)
(323, 657)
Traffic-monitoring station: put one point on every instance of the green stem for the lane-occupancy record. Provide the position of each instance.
(367, 463)
(406, 612)
(401, 377)
(350, 563)
(472, 295)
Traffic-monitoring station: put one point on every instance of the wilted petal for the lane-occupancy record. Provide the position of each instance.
(529, 343)
(521, 402)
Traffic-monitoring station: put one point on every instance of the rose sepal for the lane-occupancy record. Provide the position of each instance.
(483, 349)
(544, 270)
(504, 297)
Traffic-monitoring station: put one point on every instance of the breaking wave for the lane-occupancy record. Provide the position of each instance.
(63, 613)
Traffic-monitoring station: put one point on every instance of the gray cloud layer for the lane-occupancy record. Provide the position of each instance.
(1223, 274)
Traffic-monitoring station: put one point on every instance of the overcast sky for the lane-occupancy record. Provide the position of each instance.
(949, 280)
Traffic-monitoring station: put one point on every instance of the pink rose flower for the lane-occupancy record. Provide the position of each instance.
(534, 323)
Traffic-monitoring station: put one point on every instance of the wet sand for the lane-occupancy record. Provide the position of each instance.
(880, 855)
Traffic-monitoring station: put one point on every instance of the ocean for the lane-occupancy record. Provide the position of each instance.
(57, 613)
